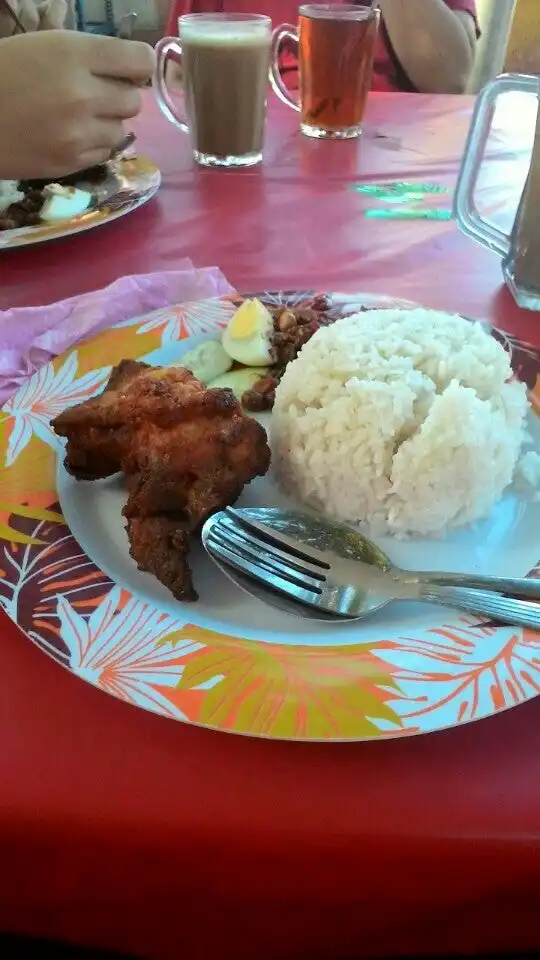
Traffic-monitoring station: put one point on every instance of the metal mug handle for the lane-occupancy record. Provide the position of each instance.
(163, 97)
(465, 210)
(276, 80)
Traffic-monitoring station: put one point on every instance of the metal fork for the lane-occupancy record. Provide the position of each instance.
(352, 588)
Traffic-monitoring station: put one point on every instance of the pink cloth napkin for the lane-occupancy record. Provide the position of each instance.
(31, 336)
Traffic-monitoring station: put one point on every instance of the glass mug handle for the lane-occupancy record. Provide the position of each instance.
(465, 211)
(163, 96)
(286, 30)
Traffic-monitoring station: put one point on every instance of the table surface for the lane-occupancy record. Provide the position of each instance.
(127, 831)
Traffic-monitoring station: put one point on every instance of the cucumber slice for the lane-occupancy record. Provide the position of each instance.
(240, 380)
(207, 361)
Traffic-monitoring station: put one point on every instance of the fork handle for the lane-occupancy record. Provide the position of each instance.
(517, 587)
(521, 613)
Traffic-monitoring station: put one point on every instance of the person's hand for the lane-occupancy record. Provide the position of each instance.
(63, 99)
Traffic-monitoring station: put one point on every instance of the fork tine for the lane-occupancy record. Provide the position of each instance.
(280, 540)
(244, 536)
(255, 572)
(235, 544)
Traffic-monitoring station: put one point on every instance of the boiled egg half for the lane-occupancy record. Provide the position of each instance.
(248, 336)
(62, 203)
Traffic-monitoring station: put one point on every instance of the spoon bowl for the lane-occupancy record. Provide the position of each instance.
(321, 565)
(313, 532)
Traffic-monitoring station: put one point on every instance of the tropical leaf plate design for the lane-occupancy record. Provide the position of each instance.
(206, 665)
(131, 183)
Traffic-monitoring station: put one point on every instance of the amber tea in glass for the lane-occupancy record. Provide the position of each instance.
(336, 46)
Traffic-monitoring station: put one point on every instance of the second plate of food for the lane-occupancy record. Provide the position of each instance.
(38, 211)
(406, 419)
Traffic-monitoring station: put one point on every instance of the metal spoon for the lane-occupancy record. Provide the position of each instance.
(125, 32)
(126, 142)
(324, 569)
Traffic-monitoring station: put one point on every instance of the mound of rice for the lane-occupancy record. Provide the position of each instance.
(405, 419)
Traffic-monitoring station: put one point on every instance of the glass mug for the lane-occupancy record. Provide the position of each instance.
(520, 249)
(225, 58)
(336, 48)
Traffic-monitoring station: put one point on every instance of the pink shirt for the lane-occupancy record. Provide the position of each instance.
(387, 71)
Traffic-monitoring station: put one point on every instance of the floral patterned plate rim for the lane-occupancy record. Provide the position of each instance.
(67, 581)
(132, 182)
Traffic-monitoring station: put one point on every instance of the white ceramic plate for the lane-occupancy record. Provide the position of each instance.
(131, 183)
(229, 661)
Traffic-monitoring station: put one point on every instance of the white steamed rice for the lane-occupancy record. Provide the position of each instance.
(404, 419)
(9, 194)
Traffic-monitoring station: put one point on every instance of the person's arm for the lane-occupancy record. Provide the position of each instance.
(435, 45)
(64, 97)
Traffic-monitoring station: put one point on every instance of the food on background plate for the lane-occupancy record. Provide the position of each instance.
(9, 194)
(23, 203)
(62, 203)
(406, 419)
(93, 175)
(186, 451)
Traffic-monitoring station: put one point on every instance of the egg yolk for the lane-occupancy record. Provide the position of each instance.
(244, 323)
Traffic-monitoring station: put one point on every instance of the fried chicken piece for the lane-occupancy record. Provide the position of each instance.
(185, 461)
(190, 500)
(96, 437)
(160, 546)
(187, 451)
(101, 431)
(195, 467)
(137, 391)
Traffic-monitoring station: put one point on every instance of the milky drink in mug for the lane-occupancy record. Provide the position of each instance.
(225, 64)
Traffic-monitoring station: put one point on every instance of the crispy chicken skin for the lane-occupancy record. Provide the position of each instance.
(94, 443)
(159, 546)
(186, 450)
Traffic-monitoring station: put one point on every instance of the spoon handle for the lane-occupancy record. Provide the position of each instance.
(520, 613)
(124, 145)
(126, 26)
(516, 587)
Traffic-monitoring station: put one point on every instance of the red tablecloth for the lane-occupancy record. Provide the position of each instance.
(124, 830)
